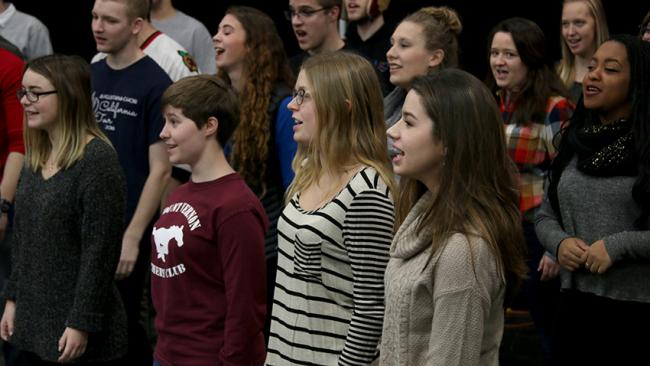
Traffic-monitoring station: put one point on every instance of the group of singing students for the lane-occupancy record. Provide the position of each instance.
(352, 211)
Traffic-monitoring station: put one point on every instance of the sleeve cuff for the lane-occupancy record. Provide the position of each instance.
(88, 322)
(9, 291)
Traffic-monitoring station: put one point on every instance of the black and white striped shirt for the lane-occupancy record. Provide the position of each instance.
(329, 298)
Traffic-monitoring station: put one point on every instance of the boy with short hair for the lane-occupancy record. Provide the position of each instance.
(207, 263)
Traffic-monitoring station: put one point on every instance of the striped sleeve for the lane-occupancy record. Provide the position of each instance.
(367, 234)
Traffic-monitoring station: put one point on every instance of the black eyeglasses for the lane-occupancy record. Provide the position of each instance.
(32, 96)
(302, 13)
(299, 96)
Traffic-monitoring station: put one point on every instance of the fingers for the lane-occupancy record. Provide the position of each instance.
(72, 348)
(571, 253)
(581, 244)
(124, 269)
(6, 329)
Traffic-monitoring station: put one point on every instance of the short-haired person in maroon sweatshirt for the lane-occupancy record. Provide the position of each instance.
(207, 265)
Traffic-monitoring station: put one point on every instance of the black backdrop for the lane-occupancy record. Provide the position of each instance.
(69, 21)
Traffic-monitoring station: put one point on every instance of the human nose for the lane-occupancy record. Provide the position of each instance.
(22, 98)
(391, 54)
(216, 38)
(296, 19)
(572, 30)
(499, 59)
(393, 130)
(164, 133)
(293, 104)
(96, 25)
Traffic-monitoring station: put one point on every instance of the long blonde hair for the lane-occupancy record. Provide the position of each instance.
(566, 67)
(75, 119)
(350, 120)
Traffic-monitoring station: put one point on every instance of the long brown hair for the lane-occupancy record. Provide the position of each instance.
(541, 81)
(350, 119)
(478, 185)
(265, 66)
(70, 77)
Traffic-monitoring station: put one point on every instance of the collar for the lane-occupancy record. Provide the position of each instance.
(407, 242)
(7, 14)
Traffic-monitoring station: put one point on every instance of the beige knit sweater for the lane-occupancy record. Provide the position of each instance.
(442, 309)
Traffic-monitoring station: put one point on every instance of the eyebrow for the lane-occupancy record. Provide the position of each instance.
(503, 49)
(608, 60)
(31, 87)
(408, 114)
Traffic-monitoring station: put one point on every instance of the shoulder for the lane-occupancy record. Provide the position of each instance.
(99, 156)
(98, 65)
(237, 198)
(9, 60)
(560, 106)
(98, 150)
(27, 18)
(190, 21)
(148, 71)
(368, 193)
(368, 180)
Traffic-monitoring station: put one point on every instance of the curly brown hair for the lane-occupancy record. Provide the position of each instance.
(265, 66)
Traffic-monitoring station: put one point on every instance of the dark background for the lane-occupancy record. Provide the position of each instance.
(69, 21)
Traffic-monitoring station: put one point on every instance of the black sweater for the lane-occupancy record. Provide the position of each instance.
(68, 233)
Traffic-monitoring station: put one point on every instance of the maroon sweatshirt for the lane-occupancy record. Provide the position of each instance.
(208, 279)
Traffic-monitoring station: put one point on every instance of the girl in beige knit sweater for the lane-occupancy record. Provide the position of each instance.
(458, 249)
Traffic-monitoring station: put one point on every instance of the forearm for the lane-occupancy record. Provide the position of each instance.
(149, 201)
(367, 234)
(10, 175)
(244, 273)
(628, 245)
(457, 328)
(548, 229)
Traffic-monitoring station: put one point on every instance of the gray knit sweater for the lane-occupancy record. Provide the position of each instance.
(67, 243)
(444, 308)
(594, 208)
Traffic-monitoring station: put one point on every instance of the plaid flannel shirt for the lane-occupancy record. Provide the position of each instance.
(530, 146)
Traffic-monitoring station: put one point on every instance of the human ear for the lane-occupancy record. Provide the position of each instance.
(436, 58)
(211, 126)
(137, 25)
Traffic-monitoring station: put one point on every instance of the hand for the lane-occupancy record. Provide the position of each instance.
(4, 220)
(128, 257)
(7, 322)
(548, 267)
(73, 344)
(570, 254)
(597, 260)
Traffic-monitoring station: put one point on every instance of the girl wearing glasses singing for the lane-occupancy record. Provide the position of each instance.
(61, 302)
(335, 233)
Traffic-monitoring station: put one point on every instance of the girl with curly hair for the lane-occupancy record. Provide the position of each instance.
(251, 58)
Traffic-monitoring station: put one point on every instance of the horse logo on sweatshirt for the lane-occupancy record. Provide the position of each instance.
(162, 236)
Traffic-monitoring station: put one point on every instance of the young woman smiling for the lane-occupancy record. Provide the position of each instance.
(534, 104)
(251, 58)
(584, 28)
(596, 214)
